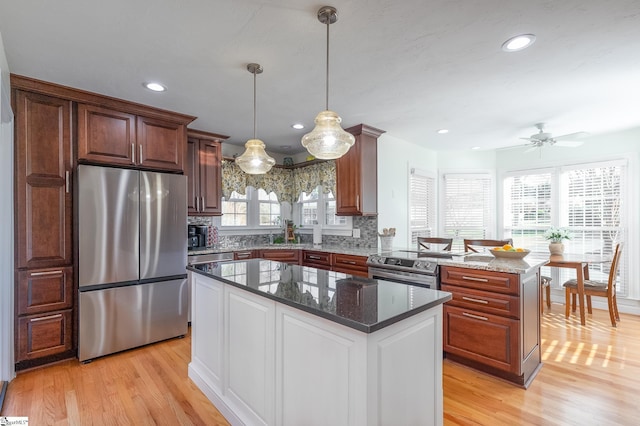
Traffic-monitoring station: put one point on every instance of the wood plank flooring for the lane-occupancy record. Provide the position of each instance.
(591, 376)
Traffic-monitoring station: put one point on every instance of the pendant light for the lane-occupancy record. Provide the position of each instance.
(328, 140)
(255, 160)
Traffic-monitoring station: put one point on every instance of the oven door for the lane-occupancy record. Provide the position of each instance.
(403, 277)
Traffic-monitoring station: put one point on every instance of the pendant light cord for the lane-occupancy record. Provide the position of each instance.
(254, 105)
(327, 82)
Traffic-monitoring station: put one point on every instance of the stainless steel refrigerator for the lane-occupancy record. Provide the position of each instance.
(131, 260)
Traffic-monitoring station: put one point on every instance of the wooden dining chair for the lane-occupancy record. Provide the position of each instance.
(425, 243)
(470, 244)
(597, 288)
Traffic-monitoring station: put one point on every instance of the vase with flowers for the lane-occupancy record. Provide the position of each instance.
(556, 236)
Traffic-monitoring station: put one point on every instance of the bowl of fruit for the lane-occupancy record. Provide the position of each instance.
(507, 251)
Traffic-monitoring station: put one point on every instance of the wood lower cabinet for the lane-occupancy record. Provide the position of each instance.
(44, 290)
(281, 255)
(204, 173)
(44, 335)
(349, 264)
(357, 174)
(244, 254)
(492, 322)
(316, 259)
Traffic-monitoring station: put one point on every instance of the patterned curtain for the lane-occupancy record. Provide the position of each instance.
(233, 179)
(287, 184)
(306, 179)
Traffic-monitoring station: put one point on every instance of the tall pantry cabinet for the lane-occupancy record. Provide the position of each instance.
(44, 222)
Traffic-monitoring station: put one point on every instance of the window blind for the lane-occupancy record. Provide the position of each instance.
(468, 211)
(422, 205)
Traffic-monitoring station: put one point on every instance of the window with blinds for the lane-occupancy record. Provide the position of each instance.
(468, 207)
(422, 205)
(587, 199)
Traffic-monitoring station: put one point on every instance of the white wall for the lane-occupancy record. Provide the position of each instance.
(395, 158)
(6, 223)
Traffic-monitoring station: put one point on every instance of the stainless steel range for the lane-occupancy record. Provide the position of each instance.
(409, 267)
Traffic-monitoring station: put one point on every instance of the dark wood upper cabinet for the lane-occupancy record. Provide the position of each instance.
(161, 144)
(43, 180)
(357, 174)
(203, 168)
(106, 136)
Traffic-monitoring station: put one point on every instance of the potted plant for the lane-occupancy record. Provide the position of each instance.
(556, 236)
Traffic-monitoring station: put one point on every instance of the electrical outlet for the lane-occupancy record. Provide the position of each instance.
(356, 233)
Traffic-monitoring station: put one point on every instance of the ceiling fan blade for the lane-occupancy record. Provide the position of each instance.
(531, 148)
(571, 144)
(528, 139)
(576, 135)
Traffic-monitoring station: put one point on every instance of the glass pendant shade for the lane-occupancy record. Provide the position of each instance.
(255, 160)
(328, 141)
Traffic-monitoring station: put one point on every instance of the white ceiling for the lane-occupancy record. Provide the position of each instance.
(409, 67)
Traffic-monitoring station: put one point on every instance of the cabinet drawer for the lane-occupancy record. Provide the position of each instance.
(45, 290)
(484, 301)
(44, 335)
(242, 255)
(498, 282)
(350, 264)
(489, 339)
(317, 259)
(292, 256)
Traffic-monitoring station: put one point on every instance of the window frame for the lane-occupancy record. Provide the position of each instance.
(253, 214)
(321, 201)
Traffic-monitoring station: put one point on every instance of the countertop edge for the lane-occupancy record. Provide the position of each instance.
(444, 297)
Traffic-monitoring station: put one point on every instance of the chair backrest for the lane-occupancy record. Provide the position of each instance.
(613, 272)
(469, 244)
(425, 243)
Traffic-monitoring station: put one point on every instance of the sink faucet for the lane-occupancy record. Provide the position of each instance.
(270, 239)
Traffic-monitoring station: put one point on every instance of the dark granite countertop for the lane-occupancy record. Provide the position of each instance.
(356, 251)
(363, 304)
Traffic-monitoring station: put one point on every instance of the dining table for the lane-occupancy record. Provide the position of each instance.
(580, 262)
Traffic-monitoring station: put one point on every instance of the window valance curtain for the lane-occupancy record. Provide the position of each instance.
(287, 184)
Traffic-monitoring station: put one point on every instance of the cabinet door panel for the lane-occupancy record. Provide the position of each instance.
(44, 335)
(291, 256)
(161, 144)
(192, 171)
(348, 182)
(106, 136)
(45, 290)
(485, 338)
(210, 177)
(43, 181)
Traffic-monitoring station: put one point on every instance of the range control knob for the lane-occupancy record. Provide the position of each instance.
(421, 264)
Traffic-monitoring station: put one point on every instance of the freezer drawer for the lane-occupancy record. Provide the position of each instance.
(116, 319)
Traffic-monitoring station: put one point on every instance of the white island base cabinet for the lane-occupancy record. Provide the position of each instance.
(261, 362)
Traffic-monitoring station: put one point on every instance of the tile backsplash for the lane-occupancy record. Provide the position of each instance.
(367, 225)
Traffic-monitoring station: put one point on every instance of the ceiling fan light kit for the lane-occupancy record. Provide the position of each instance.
(255, 160)
(538, 140)
(328, 140)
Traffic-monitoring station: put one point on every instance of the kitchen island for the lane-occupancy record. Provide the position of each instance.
(274, 343)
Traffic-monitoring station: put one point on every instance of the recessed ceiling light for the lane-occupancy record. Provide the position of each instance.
(518, 42)
(298, 126)
(443, 131)
(156, 87)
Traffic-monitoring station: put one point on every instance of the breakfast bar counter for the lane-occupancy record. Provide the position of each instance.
(274, 343)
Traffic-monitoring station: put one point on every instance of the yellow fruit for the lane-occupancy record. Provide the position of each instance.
(519, 249)
(498, 249)
(507, 247)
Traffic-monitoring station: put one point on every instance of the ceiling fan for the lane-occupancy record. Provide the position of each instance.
(538, 140)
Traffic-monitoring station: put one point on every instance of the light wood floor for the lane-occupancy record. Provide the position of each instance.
(591, 376)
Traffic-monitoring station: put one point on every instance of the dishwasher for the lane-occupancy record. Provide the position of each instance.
(198, 259)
